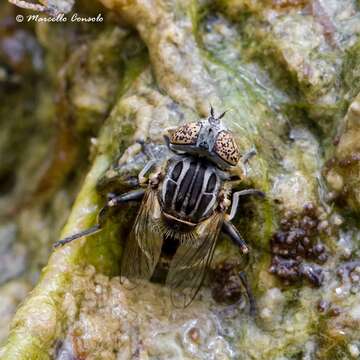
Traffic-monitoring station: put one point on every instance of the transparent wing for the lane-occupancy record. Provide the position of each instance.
(188, 267)
(143, 247)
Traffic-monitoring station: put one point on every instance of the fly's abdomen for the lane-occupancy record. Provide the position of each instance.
(190, 189)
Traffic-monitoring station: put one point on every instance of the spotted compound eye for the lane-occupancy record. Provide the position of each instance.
(226, 148)
(186, 134)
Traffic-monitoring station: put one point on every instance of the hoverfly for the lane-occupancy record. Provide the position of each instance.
(184, 202)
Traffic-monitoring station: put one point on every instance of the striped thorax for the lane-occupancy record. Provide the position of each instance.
(190, 190)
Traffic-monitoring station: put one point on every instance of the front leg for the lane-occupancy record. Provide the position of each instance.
(114, 202)
(133, 195)
(132, 169)
(248, 155)
(239, 173)
(142, 177)
(229, 229)
(236, 196)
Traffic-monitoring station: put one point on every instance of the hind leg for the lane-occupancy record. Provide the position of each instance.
(250, 296)
(114, 202)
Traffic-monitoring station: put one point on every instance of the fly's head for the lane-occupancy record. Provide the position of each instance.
(207, 138)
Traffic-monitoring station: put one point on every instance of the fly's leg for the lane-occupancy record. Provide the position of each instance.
(229, 229)
(142, 174)
(133, 195)
(240, 172)
(248, 155)
(245, 160)
(156, 157)
(236, 196)
(90, 231)
(114, 202)
(166, 135)
(252, 302)
(125, 174)
(130, 153)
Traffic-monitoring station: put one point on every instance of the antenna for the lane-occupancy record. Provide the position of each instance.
(213, 119)
(223, 114)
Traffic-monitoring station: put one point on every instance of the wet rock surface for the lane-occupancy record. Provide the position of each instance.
(342, 169)
(80, 101)
(11, 294)
(139, 327)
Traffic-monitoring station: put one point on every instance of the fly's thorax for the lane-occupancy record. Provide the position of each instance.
(190, 189)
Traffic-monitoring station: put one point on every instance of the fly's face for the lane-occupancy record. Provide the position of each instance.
(208, 138)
